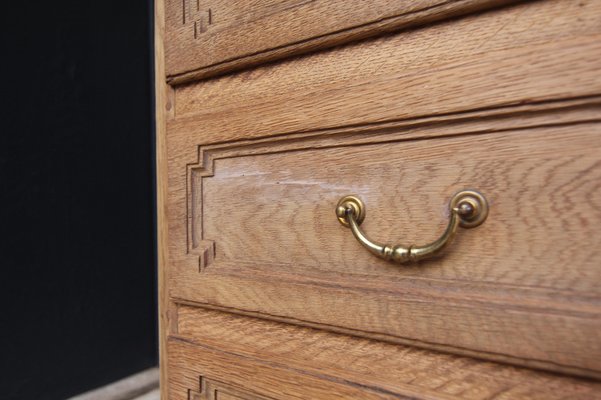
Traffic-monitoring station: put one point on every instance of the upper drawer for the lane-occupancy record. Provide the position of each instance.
(204, 38)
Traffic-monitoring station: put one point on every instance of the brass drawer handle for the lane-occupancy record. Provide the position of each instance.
(468, 210)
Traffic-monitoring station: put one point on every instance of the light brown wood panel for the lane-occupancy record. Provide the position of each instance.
(163, 111)
(514, 66)
(212, 37)
(278, 383)
(544, 73)
(280, 251)
(435, 54)
(276, 210)
(265, 295)
(216, 390)
(219, 345)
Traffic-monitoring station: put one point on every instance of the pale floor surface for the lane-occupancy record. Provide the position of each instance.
(152, 395)
(141, 386)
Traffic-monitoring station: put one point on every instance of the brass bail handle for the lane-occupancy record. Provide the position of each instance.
(468, 209)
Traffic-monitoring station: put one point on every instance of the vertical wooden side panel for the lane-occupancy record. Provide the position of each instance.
(163, 111)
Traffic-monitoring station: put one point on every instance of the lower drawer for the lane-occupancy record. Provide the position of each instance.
(217, 356)
(523, 287)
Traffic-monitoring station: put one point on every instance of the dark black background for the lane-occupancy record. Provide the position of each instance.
(77, 275)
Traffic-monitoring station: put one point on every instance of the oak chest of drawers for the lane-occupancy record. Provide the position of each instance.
(268, 113)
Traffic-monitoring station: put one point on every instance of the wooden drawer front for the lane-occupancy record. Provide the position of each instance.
(216, 355)
(204, 38)
(524, 284)
(258, 161)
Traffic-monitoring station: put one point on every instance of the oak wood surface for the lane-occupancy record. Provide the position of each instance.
(163, 111)
(513, 66)
(280, 251)
(284, 361)
(506, 101)
(521, 54)
(208, 38)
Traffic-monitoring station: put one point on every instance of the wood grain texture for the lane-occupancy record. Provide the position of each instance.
(283, 361)
(526, 53)
(504, 81)
(275, 210)
(208, 38)
(506, 101)
(280, 251)
(163, 111)
(216, 390)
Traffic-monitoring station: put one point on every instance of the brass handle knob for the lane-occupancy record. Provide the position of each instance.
(468, 210)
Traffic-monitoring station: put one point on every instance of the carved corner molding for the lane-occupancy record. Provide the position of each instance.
(209, 389)
(566, 111)
(195, 16)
